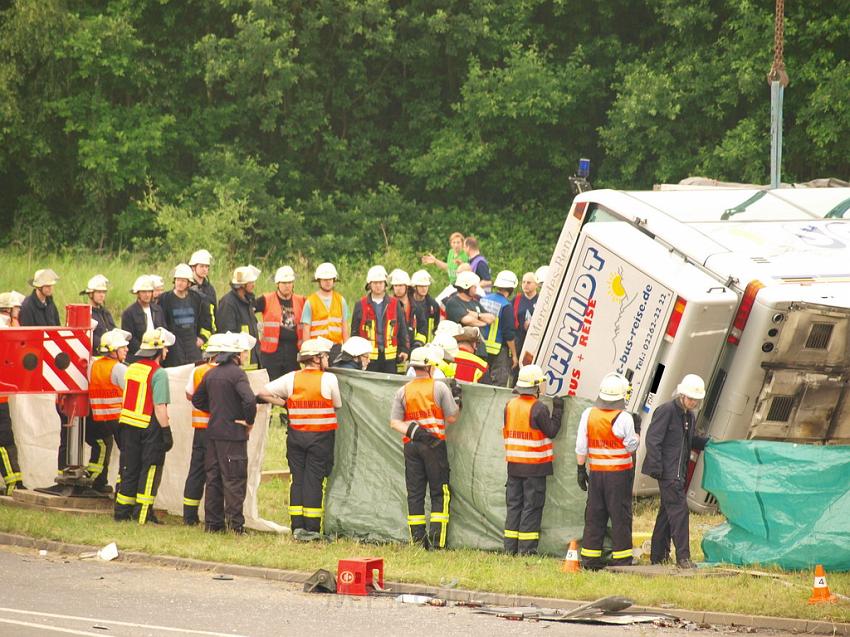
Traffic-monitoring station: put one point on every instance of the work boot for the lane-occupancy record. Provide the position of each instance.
(685, 563)
(191, 521)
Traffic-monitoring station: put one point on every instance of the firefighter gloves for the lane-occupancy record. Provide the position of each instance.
(167, 439)
(457, 394)
(582, 477)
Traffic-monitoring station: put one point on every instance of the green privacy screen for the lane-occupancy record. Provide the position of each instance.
(786, 504)
(366, 496)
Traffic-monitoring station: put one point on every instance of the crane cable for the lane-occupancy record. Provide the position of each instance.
(777, 71)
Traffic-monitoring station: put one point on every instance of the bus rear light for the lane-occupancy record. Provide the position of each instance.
(744, 309)
(675, 319)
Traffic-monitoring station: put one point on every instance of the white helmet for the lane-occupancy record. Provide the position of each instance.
(421, 277)
(467, 280)
(284, 275)
(158, 283)
(447, 343)
(326, 271)
(231, 342)
(449, 327)
(143, 283)
(183, 271)
(505, 279)
(44, 277)
(244, 274)
(357, 346)
(530, 376)
(154, 340)
(426, 356)
(8, 300)
(98, 283)
(613, 387)
(376, 273)
(399, 277)
(692, 386)
(114, 339)
(200, 257)
(313, 347)
(541, 274)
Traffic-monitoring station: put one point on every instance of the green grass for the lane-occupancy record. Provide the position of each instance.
(477, 570)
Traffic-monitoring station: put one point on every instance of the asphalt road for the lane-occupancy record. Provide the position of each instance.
(60, 595)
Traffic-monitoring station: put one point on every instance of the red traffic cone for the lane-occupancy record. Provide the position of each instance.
(571, 562)
(820, 589)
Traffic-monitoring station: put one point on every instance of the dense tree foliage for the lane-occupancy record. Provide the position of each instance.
(349, 126)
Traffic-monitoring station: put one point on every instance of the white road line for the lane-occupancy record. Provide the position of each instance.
(67, 631)
(187, 631)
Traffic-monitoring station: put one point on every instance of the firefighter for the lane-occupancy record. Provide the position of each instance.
(226, 395)
(236, 310)
(354, 354)
(499, 335)
(186, 316)
(399, 281)
(144, 429)
(10, 304)
(200, 262)
(96, 290)
(465, 308)
(141, 316)
(193, 489)
(106, 392)
(605, 442)
(528, 431)
(470, 367)
(420, 412)
(380, 320)
(38, 309)
(425, 309)
(669, 441)
(280, 329)
(326, 311)
(541, 274)
(450, 349)
(311, 397)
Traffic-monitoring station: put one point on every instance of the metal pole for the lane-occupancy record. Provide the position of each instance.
(776, 94)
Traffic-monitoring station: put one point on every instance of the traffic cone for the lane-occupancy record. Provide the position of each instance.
(571, 562)
(820, 590)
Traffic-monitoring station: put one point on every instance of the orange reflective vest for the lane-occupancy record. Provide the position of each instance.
(272, 316)
(523, 443)
(368, 322)
(605, 452)
(469, 367)
(419, 405)
(326, 321)
(308, 409)
(200, 418)
(105, 397)
(138, 394)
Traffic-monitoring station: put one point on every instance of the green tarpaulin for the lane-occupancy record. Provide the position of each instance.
(786, 504)
(366, 495)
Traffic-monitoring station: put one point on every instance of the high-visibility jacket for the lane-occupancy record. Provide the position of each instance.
(419, 405)
(326, 321)
(272, 316)
(308, 409)
(200, 418)
(605, 452)
(491, 333)
(137, 408)
(105, 397)
(469, 367)
(426, 316)
(4, 400)
(368, 323)
(523, 443)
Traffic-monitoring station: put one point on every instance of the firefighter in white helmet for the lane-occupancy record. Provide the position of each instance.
(380, 319)
(311, 396)
(225, 393)
(426, 311)
(605, 442)
(354, 355)
(500, 335)
(38, 309)
(420, 412)
(669, 440)
(528, 430)
(10, 308)
(96, 290)
(141, 316)
(200, 262)
(236, 310)
(399, 281)
(10, 305)
(465, 308)
(144, 427)
(106, 390)
(326, 311)
(280, 327)
(187, 317)
(158, 287)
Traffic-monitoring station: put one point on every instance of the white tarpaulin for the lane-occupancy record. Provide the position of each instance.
(36, 426)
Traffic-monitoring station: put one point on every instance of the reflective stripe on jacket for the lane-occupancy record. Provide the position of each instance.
(491, 333)
(138, 394)
(200, 418)
(269, 327)
(523, 443)
(419, 405)
(367, 329)
(105, 398)
(469, 367)
(308, 409)
(326, 321)
(605, 452)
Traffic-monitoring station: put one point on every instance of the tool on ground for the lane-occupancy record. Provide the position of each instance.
(321, 581)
